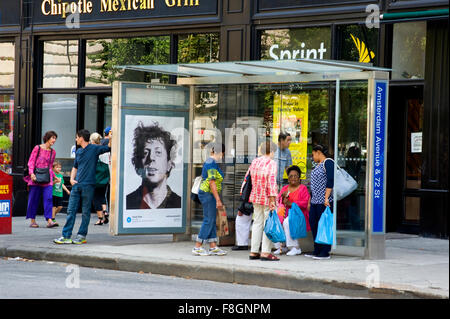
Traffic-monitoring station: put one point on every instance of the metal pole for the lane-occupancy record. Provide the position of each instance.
(336, 151)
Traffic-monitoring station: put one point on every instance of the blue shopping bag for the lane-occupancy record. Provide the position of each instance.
(297, 222)
(273, 228)
(325, 228)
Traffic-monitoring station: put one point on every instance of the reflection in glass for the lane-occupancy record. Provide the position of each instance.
(90, 113)
(59, 113)
(304, 43)
(352, 156)
(198, 48)
(60, 64)
(7, 65)
(102, 56)
(408, 50)
(107, 112)
(6, 131)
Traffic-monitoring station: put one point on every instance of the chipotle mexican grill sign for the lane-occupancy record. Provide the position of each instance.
(57, 11)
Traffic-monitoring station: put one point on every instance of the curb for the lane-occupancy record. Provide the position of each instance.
(200, 271)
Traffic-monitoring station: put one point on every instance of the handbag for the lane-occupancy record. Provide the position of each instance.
(325, 228)
(297, 222)
(42, 174)
(344, 184)
(195, 188)
(246, 207)
(273, 228)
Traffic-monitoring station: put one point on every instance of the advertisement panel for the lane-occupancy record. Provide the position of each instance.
(290, 115)
(149, 159)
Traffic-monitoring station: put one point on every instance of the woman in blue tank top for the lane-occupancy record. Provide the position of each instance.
(322, 182)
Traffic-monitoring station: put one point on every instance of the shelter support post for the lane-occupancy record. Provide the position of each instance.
(377, 110)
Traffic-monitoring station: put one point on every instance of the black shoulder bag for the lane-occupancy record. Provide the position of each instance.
(42, 174)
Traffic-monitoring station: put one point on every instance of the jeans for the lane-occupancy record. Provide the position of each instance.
(33, 201)
(83, 194)
(315, 213)
(208, 231)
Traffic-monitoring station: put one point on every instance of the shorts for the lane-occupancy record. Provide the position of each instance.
(57, 201)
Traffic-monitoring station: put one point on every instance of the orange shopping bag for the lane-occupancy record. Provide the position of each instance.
(222, 223)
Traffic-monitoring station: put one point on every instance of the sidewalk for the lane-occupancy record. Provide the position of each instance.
(414, 267)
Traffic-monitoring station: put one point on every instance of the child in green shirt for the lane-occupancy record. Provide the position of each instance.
(58, 187)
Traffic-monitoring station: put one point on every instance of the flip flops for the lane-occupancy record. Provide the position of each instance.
(270, 257)
(34, 225)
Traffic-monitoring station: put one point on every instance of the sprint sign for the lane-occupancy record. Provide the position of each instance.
(5, 208)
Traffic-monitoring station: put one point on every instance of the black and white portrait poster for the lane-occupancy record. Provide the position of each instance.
(153, 171)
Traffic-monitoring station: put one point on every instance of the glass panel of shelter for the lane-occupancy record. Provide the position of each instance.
(242, 116)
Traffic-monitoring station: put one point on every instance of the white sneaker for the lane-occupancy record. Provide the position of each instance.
(216, 251)
(200, 251)
(280, 251)
(322, 258)
(294, 251)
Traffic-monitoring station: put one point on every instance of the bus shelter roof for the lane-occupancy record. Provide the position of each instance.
(261, 71)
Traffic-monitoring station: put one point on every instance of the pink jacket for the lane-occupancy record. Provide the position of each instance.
(301, 197)
(45, 159)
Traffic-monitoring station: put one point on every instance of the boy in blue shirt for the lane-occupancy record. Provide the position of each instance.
(83, 181)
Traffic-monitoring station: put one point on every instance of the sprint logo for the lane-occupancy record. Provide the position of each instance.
(365, 55)
(5, 208)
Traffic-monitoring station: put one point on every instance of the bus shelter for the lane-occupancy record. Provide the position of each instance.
(343, 105)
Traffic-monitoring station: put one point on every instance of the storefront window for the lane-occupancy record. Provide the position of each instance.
(357, 43)
(60, 64)
(198, 48)
(6, 65)
(304, 43)
(6, 131)
(102, 56)
(408, 50)
(59, 112)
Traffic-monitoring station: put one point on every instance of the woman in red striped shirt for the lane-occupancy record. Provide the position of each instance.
(263, 171)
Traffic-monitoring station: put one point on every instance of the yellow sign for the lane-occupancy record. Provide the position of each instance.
(290, 115)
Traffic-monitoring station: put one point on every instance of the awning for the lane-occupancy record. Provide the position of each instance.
(249, 68)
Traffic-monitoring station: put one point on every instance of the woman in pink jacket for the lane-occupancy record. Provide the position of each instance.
(296, 193)
(42, 156)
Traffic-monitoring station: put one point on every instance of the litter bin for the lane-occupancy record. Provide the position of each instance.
(5, 203)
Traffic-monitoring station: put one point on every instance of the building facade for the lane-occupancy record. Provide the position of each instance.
(58, 60)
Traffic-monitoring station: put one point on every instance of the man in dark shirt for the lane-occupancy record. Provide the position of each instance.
(82, 179)
(153, 161)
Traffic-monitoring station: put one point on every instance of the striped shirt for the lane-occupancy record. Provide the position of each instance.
(263, 171)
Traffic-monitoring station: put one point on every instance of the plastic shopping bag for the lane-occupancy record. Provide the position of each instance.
(297, 222)
(273, 228)
(325, 228)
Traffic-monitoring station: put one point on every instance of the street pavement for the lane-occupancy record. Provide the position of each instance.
(414, 267)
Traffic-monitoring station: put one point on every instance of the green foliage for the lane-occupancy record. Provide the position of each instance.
(127, 51)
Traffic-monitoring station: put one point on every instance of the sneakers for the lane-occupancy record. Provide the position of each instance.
(216, 251)
(62, 240)
(280, 251)
(294, 251)
(309, 255)
(79, 240)
(200, 251)
(322, 257)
